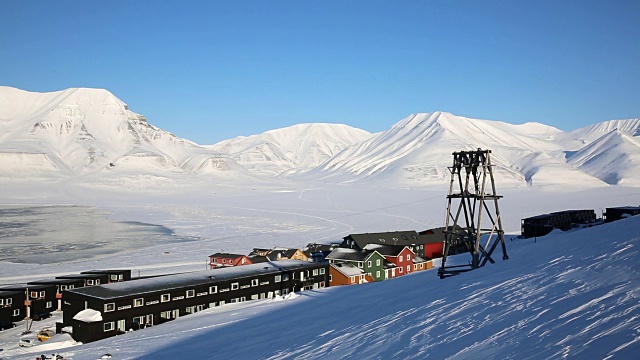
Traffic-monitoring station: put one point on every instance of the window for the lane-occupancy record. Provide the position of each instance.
(191, 293)
(408, 257)
(70, 287)
(235, 286)
(8, 301)
(63, 287)
(213, 289)
(322, 271)
(378, 262)
(165, 315)
(378, 273)
(285, 277)
(213, 304)
(278, 278)
(369, 264)
(400, 270)
(353, 279)
(321, 284)
(138, 302)
(330, 278)
(34, 294)
(315, 272)
(89, 282)
(1, 302)
(49, 304)
(165, 297)
(42, 294)
(400, 259)
(16, 312)
(109, 326)
(254, 282)
(255, 297)
(97, 282)
(109, 307)
(408, 269)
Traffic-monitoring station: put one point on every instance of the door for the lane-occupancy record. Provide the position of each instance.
(121, 326)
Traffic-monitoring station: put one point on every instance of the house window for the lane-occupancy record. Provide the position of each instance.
(42, 294)
(278, 278)
(109, 307)
(89, 282)
(70, 287)
(353, 279)
(400, 270)
(34, 294)
(213, 304)
(213, 289)
(408, 268)
(165, 297)
(235, 286)
(191, 293)
(408, 257)
(315, 272)
(321, 284)
(255, 297)
(378, 273)
(138, 302)
(330, 278)
(1, 302)
(109, 326)
(254, 282)
(360, 264)
(165, 315)
(63, 287)
(369, 263)
(400, 259)
(285, 277)
(8, 301)
(48, 305)
(378, 262)
(16, 312)
(415, 267)
(322, 271)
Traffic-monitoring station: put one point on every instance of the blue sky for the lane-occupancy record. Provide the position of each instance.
(212, 70)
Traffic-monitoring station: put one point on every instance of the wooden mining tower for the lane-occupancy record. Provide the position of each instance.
(473, 221)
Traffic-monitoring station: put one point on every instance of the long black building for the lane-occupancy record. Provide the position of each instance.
(543, 224)
(103, 311)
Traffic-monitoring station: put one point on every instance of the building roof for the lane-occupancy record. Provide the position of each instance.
(349, 254)
(5, 292)
(387, 250)
(179, 281)
(81, 276)
(23, 287)
(108, 271)
(227, 255)
(54, 281)
(405, 238)
(636, 208)
(347, 269)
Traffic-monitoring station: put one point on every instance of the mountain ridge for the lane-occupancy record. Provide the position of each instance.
(90, 133)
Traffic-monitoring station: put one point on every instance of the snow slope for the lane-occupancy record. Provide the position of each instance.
(418, 150)
(571, 295)
(87, 131)
(614, 158)
(292, 149)
(576, 139)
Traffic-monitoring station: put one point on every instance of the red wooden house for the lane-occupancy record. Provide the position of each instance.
(433, 242)
(400, 256)
(225, 259)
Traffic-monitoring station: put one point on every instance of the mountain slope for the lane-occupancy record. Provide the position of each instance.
(614, 158)
(576, 139)
(418, 150)
(292, 149)
(86, 131)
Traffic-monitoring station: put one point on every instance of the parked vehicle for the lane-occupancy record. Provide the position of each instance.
(45, 334)
(4, 325)
(40, 316)
(25, 343)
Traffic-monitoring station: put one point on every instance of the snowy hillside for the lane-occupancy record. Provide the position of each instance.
(614, 158)
(576, 139)
(292, 149)
(88, 132)
(418, 150)
(571, 295)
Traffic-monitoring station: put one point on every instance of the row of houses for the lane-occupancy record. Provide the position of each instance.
(358, 258)
(25, 301)
(102, 311)
(541, 225)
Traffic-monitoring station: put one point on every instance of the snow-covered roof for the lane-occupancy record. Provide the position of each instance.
(348, 269)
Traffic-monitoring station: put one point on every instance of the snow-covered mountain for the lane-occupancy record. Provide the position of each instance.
(418, 150)
(89, 134)
(87, 131)
(292, 149)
